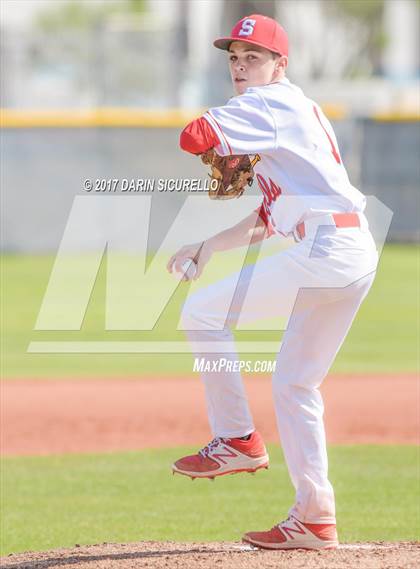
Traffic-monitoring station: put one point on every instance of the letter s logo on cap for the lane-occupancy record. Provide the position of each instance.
(247, 27)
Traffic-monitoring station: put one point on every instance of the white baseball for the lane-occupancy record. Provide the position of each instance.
(188, 269)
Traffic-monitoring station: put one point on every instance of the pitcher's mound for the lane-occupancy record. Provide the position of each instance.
(150, 554)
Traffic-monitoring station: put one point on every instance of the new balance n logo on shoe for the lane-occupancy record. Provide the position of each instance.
(220, 456)
(289, 531)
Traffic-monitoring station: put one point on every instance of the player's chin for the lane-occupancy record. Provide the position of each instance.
(240, 87)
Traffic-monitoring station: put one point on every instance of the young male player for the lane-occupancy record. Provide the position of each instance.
(320, 282)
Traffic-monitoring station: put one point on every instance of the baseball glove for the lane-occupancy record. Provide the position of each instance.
(232, 173)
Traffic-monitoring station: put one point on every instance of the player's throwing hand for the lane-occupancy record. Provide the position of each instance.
(200, 253)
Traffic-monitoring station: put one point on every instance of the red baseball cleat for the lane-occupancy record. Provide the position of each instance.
(225, 456)
(293, 534)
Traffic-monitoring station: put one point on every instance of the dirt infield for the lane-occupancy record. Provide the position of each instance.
(219, 555)
(41, 417)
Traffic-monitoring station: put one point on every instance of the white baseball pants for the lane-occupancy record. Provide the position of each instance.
(320, 283)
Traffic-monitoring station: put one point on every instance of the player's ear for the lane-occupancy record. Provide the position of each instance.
(276, 57)
(281, 62)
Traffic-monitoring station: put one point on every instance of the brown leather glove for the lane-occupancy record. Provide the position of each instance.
(233, 174)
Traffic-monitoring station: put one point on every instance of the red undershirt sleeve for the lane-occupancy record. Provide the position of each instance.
(198, 136)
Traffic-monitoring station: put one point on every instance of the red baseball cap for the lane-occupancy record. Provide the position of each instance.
(258, 30)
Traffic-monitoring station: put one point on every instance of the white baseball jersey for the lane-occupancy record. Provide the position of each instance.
(317, 285)
(300, 171)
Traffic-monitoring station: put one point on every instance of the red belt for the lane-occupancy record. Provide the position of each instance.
(340, 220)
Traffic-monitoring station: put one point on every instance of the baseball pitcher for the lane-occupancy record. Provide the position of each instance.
(272, 132)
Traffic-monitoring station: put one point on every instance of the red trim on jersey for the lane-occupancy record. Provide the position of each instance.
(222, 133)
(333, 148)
(262, 214)
(198, 136)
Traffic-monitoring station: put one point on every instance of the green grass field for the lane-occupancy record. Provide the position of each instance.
(59, 501)
(384, 337)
